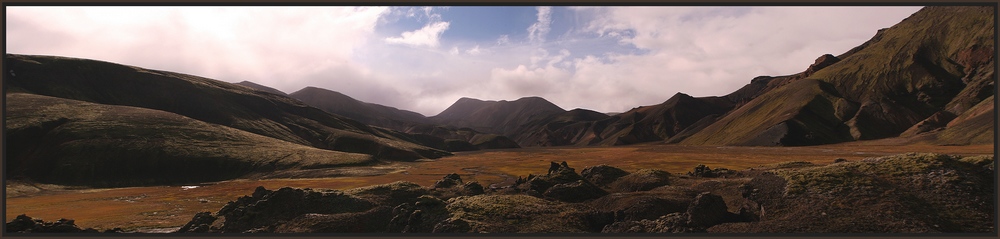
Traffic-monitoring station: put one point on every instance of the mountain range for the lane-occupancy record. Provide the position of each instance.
(929, 79)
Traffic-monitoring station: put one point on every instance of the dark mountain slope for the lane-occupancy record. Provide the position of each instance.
(498, 117)
(660, 122)
(368, 113)
(566, 128)
(805, 112)
(927, 69)
(938, 59)
(70, 142)
(203, 99)
(261, 87)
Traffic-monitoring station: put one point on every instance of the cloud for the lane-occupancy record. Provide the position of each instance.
(429, 35)
(474, 51)
(275, 46)
(538, 31)
(504, 39)
(714, 51)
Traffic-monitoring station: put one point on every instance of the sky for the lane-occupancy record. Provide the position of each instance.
(423, 59)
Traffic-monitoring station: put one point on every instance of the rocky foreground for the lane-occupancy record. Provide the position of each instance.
(900, 193)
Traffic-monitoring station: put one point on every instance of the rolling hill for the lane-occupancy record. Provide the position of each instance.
(207, 100)
(72, 142)
(368, 113)
(312, 138)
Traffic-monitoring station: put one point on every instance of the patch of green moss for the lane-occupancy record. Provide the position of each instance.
(864, 174)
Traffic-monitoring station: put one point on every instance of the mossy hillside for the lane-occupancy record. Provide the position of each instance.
(516, 213)
(199, 98)
(871, 173)
(71, 142)
(913, 62)
(976, 126)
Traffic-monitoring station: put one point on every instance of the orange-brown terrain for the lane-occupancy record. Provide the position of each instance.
(169, 207)
(895, 135)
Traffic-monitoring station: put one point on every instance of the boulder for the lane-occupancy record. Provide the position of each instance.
(578, 191)
(603, 174)
(448, 181)
(642, 180)
(708, 210)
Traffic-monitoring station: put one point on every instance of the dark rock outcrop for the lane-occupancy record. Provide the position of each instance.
(567, 184)
(602, 174)
(202, 222)
(708, 210)
(25, 224)
(642, 180)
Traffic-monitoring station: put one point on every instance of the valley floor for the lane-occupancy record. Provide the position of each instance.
(158, 208)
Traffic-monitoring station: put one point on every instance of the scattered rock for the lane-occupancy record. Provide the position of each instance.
(670, 223)
(839, 160)
(266, 208)
(704, 171)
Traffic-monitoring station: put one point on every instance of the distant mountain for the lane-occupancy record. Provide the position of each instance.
(498, 117)
(560, 129)
(368, 113)
(260, 87)
(206, 100)
(460, 139)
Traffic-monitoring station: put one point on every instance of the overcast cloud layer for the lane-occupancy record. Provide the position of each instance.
(424, 59)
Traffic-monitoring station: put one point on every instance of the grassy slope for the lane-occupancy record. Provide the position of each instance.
(803, 108)
(976, 126)
(204, 99)
(915, 69)
(62, 141)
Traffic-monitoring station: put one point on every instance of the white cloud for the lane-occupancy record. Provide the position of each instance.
(429, 35)
(503, 40)
(714, 51)
(538, 31)
(474, 51)
(277, 46)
